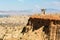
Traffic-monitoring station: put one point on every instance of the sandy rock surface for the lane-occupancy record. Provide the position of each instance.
(11, 28)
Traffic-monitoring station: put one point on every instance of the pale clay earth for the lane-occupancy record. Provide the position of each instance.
(11, 28)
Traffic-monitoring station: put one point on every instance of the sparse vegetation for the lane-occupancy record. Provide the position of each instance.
(20, 28)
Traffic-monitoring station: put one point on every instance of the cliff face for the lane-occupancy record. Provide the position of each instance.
(51, 23)
(29, 28)
(16, 28)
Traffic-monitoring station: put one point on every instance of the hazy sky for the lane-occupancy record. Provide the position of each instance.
(28, 4)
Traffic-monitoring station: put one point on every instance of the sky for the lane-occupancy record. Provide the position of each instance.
(29, 4)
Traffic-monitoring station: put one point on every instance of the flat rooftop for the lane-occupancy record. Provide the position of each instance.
(46, 17)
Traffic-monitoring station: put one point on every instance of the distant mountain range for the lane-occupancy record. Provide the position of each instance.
(52, 10)
(12, 12)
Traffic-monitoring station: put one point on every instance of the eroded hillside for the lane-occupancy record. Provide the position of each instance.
(28, 28)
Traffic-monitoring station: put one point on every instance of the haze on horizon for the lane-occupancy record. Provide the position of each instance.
(29, 5)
